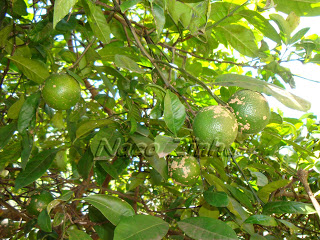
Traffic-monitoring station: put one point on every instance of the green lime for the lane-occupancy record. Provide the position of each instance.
(61, 91)
(251, 110)
(38, 202)
(215, 126)
(185, 170)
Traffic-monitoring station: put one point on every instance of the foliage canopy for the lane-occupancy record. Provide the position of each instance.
(146, 68)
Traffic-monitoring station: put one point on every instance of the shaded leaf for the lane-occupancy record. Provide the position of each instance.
(6, 133)
(262, 24)
(288, 99)
(203, 228)
(282, 207)
(128, 4)
(44, 221)
(112, 208)
(240, 38)
(85, 164)
(216, 199)
(61, 9)
(35, 168)
(174, 112)
(144, 227)
(125, 62)
(28, 112)
(90, 125)
(97, 21)
(264, 192)
(75, 234)
(165, 145)
(261, 220)
(9, 154)
(33, 69)
(15, 108)
(147, 148)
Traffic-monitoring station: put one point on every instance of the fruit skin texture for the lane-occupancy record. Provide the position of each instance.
(185, 170)
(251, 110)
(215, 126)
(61, 91)
(38, 202)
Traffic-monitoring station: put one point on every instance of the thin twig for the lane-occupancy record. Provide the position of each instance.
(83, 53)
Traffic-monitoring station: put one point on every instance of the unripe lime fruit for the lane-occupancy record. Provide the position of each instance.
(215, 126)
(61, 91)
(185, 170)
(251, 110)
(38, 202)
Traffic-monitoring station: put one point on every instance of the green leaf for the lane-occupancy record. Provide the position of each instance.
(240, 196)
(299, 35)
(97, 21)
(282, 207)
(289, 225)
(264, 192)
(75, 234)
(33, 69)
(165, 145)
(144, 227)
(203, 228)
(27, 144)
(159, 17)
(90, 125)
(28, 112)
(240, 38)
(58, 219)
(262, 220)
(262, 180)
(19, 7)
(6, 133)
(112, 208)
(136, 180)
(35, 168)
(174, 112)
(61, 9)
(9, 154)
(216, 199)
(109, 168)
(85, 164)
(260, 23)
(299, 7)
(15, 108)
(288, 99)
(147, 148)
(44, 221)
(128, 4)
(125, 62)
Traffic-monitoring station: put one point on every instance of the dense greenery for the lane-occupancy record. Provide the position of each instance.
(145, 69)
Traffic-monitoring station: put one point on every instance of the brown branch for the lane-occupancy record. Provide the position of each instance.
(303, 177)
(14, 211)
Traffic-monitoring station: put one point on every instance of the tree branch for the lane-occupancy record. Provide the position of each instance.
(303, 177)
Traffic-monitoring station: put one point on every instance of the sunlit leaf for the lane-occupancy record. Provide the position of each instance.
(141, 227)
(285, 97)
(111, 207)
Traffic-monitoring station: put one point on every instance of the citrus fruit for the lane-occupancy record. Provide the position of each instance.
(61, 91)
(38, 202)
(185, 170)
(251, 110)
(215, 126)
